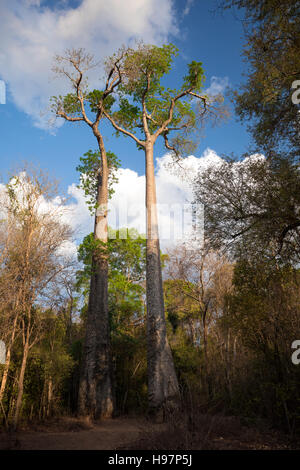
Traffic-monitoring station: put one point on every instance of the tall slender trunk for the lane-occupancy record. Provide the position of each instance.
(7, 361)
(96, 398)
(49, 397)
(163, 390)
(21, 382)
(5, 373)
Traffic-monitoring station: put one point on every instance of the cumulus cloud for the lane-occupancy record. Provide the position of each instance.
(33, 32)
(127, 205)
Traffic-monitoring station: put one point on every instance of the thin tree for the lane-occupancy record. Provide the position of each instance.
(147, 110)
(200, 278)
(9, 301)
(32, 262)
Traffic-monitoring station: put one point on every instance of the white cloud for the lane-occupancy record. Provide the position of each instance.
(217, 86)
(174, 194)
(187, 7)
(174, 187)
(127, 205)
(32, 33)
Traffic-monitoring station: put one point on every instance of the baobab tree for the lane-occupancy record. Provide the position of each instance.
(96, 384)
(147, 110)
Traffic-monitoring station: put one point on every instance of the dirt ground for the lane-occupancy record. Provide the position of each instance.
(73, 434)
(137, 433)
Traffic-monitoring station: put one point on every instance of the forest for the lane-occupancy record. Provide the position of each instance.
(201, 336)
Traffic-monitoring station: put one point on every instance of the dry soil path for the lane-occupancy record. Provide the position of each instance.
(107, 435)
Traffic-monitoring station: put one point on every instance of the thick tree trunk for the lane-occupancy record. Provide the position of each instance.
(96, 398)
(163, 391)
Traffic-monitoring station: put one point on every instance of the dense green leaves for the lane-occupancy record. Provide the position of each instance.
(68, 103)
(127, 265)
(146, 106)
(195, 78)
(127, 114)
(90, 175)
(95, 100)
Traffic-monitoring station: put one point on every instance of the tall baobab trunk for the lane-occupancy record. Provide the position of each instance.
(163, 388)
(96, 398)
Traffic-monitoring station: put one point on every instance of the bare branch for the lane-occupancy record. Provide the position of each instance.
(124, 131)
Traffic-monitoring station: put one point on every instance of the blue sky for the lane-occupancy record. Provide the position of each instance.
(214, 38)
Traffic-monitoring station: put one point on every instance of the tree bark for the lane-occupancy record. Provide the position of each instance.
(96, 397)
(5, 373)
(21, 383)
(163, 390)
(8, 356)
(49, 397)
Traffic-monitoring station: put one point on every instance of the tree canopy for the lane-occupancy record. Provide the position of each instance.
(252, 206)
(272, 54)
(148, 108)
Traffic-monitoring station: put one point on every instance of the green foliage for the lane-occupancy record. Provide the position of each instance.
(128, 114)
(90, 175)
(126, 292)
(181, 306)
(264, 314)
(127, 253)
(130, 361)
(272, 54)
(49, 368)
(143, 70)
(126, 250)
(127, 257)
(69, 103)
(88, 247)
(95, 97)
(147, 61)
(195, 78)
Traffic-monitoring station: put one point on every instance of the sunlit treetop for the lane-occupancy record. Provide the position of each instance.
(146, 108)
(135, 99)
(82, 103)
